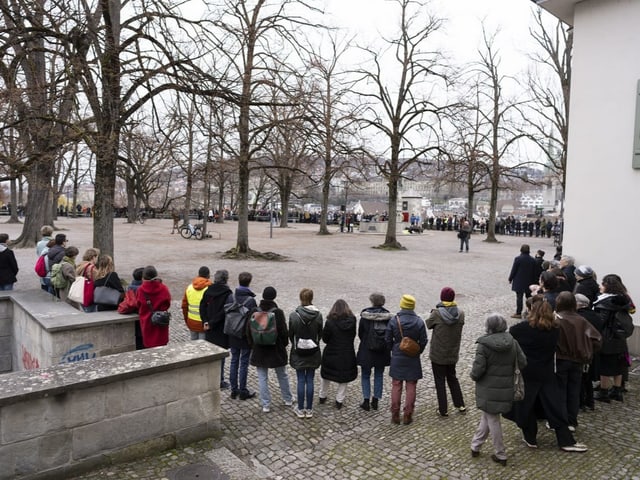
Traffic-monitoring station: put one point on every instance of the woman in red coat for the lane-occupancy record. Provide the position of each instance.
(157, 293)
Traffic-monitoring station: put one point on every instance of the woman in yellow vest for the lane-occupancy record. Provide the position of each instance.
(191, 303)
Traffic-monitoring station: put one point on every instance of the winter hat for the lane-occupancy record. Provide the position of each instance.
(407, 302)
(269, 293)
(447, 294)
(582, 301)
(584, 271)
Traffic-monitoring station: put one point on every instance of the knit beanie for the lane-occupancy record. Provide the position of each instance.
(447, 294)
(584, 271)
(269, 293)
(407, 302)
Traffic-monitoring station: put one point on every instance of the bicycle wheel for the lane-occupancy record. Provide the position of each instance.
(141, 218)
(185, 231)
(198, 233)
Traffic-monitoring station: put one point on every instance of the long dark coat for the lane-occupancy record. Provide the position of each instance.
(339, 355)
(369, 317)
(523, 273)
(271, 356)
(305, 320)
(212, 312)
(404, 367)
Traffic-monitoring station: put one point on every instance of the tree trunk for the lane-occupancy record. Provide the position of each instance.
(39, 194)
(390, 240)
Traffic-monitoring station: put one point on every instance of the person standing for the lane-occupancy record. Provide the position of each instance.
(239, 346)
(106, 276)
(464, 234)
(42, 248)
(265, 357)
(8, 264)
(305, 332)
(493, 371)
(153, 296)
(373, 353)
(191, 303)
(405, 370)
(446, 321)
(339, 355)
(523, 274)
(576, 344)
(538, 337)
(586, 283)
(212, 315)
(67, 273)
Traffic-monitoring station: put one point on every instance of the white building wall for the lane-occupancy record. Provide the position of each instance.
(602, 226)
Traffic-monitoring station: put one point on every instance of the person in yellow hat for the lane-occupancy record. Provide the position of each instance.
(405, 368)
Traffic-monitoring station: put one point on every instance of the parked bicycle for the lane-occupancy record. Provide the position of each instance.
(141, 217)
(187, 231)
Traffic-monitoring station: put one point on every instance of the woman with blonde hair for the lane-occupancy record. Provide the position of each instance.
(87, 269)
(106, 276)
(538, 338)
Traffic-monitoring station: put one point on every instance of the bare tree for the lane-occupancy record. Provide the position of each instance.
(550, 118)
(252, 32)
(402, 109)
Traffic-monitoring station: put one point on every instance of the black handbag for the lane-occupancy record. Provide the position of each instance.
(160, 318)
(104, 295)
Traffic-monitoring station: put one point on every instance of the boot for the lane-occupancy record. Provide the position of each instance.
(395, 418)
(374, 403)
(407, 419)
(602, 395)
(365, 405)
(616, 394)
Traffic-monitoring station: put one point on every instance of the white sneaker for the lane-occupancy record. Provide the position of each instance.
(576, 447)
(308, 413)
(289, 403)
(266, 409)
(299, 413)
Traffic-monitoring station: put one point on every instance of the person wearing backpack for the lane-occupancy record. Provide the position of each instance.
(8, 264)
(446, 321)
(239, 346)
(265, 355)
(305, 331)
(373, 353)
(64, 273)
(42, 247)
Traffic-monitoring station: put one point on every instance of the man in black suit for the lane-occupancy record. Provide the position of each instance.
(523, 274)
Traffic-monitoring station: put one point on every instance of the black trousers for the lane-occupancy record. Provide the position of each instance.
(442, 373)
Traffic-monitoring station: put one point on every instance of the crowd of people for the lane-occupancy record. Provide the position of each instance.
(569, 343)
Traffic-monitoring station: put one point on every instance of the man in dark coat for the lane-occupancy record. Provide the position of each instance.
(523, 274)
(212, 315)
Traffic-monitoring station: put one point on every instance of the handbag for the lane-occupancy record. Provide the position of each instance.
(518, 382)
(104, 295)
(88, 287)
(76, 291)
(408, 345)
(159, 318)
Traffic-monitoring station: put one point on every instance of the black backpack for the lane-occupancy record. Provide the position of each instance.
(236, 317)
(375, 338)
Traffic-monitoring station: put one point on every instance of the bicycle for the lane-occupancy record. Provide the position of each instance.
(141, 217)
(187, 231)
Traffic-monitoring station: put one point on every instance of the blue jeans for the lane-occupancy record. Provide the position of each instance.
(239, 368)
(6, 286)
(305, 387)
(378, 374)
(283, 382)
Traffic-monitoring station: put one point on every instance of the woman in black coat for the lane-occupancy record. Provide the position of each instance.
(339, 356)
(538, 337)
(373, 352)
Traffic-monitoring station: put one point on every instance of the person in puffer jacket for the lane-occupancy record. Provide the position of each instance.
(446, 321)
(373, 353)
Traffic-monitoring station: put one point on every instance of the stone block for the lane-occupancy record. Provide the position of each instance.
(190, 411)
(115, 433)
(6, 363)
(54, 449)
(153, 390)
(6, 327)
(25, 420)
(19, 459)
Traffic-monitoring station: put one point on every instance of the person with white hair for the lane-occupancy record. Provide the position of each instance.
(493, 370)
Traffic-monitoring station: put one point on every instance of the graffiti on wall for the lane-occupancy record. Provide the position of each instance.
(29, 362)
(79, 352)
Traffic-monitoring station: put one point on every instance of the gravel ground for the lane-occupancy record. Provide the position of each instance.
(351, 443)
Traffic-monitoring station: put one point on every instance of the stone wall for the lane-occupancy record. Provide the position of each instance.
(65, 419)
(6, 336)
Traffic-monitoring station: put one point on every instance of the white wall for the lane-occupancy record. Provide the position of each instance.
(602, 211)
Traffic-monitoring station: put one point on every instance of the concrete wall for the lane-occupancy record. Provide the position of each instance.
(44, 331)
(7, 349)
(62, 420)
(603, 190)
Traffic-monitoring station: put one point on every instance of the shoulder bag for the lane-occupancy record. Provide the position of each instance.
(408, 345)
(518, 381)
(104, 295)
(160, 318)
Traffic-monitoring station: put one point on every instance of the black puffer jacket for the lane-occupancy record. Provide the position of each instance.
(305, 322)
(339, 355)
(212, 312)
(617, 323)
(271, 356)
